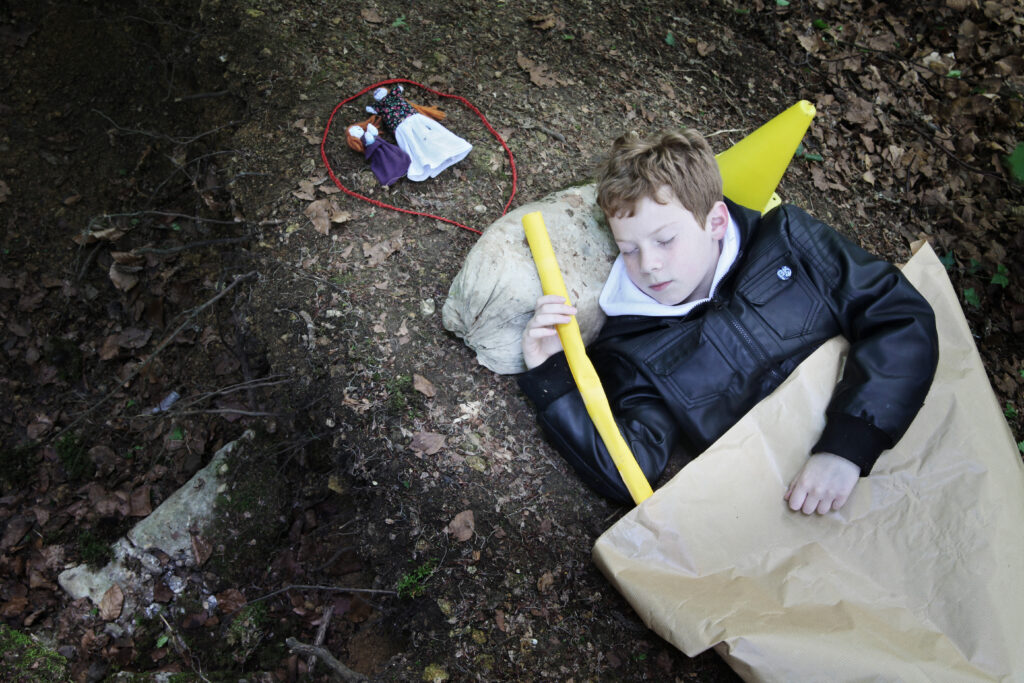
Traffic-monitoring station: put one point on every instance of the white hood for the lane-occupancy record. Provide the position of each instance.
(621, 297)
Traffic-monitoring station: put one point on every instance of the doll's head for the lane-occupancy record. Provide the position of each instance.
(671, 164)
(356, 133)
(380, 93)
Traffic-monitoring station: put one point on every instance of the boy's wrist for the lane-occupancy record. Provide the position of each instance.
(548, 381)
(854, 439)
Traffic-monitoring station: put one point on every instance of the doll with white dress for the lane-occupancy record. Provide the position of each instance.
(431, 147)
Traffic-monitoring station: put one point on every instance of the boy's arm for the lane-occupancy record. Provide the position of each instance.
(893, 343)
(639, 412)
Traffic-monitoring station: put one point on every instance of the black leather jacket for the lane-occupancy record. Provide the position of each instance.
(677, 384)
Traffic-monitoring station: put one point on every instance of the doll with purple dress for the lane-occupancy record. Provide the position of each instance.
(389, 163)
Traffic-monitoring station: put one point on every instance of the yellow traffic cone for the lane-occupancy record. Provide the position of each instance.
(752, 168)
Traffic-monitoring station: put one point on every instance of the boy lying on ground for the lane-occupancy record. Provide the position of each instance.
(710, 307)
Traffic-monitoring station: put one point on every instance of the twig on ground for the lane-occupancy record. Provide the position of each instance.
(726, 130)
(171, 214)
(258, 383)
(343, 672)
(194, 245)
(182, 648)
(162, 136)
(225, 411)
(332, 589)
(202, 95)
(321, 633)
(144, 364)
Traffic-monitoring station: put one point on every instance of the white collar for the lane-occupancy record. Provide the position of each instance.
(621, 297)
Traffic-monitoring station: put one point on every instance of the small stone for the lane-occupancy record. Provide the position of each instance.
(480, 208)
(427, 307)
(434, 673)
(175, 583)
(477, 463)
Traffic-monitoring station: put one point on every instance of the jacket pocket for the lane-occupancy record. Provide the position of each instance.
(692, 365)
(781, 294)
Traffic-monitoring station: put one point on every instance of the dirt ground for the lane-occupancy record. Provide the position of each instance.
(169, 226)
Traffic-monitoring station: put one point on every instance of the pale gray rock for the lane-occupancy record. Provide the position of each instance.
(493, 296)
(166, 528)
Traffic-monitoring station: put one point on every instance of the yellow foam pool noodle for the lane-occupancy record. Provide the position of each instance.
(583, 371)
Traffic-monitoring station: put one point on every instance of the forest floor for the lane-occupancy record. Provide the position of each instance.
(169, 226)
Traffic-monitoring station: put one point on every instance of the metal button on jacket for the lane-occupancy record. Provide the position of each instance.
(784, 273)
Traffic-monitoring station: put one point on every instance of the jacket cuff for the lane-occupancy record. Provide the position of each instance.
(547, 382)
(855, 439)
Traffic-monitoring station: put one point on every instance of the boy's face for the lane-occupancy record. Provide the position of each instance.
(668, 254)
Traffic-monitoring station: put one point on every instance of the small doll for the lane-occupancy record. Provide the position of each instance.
(388, 162)
(431, 147)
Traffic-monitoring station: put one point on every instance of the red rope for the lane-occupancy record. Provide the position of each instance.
(383, 205)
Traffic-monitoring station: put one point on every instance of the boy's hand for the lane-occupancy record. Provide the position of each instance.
(540, 338)
(824, 484)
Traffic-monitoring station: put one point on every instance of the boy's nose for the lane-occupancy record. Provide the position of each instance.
(649, 262)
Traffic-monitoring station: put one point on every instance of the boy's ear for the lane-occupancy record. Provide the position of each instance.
(717, 221)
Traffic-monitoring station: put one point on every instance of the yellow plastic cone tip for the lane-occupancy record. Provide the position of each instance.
(752, 168)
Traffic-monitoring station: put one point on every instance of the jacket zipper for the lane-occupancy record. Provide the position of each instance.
(748, 339)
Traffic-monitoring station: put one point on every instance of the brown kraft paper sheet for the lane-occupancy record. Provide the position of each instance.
(919, 577)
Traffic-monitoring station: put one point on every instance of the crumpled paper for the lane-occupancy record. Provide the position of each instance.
(919, 577)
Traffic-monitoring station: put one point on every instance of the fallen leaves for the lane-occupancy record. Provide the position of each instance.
(539, 73)
(123, 278)
(545, 22)
(323, 212)
(423, 385)
(427, 443)
(462, 526)
(371, 15)
(111, 603)
(378, 253)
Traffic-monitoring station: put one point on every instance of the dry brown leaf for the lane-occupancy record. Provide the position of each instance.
(371, 15)
(17, 527)
(543, 22)
(318, 213)
(462, 525)
(379, 252)
(139, 503)
(306, 190)
(133, 338)
(336, 214)
(230, 600)
(111, 603)
(538, 72)
(427, 443)
(110, 348)
(201, 549)
(121, 279)
(423, 385)
(545, 582)
(811, 43)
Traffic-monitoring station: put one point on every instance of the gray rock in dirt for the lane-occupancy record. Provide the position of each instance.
(167, 528)
(493, 296)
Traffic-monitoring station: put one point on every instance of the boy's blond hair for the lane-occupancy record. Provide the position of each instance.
(636, 168)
